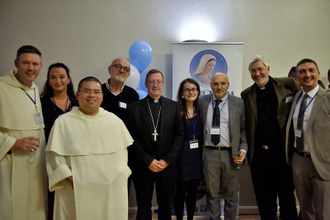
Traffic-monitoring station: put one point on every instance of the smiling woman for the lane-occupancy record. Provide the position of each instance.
(190, 156)
(57, 98)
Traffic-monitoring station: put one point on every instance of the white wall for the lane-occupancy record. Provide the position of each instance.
(87, 34)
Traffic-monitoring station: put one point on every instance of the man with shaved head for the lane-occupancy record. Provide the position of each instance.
(117, 95)
(225, 146)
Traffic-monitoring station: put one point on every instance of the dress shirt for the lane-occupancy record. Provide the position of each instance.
(308, 110)
(114, 93)
(224, 122)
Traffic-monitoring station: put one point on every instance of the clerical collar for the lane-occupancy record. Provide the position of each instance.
(111, 90)
(268, 84)
(151, 100)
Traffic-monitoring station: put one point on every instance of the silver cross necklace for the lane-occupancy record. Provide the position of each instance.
(155, 134)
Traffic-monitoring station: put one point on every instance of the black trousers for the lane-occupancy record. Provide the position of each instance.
(186, 192)
(164, 191)
(272, 178)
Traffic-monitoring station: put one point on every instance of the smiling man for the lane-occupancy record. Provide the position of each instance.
(267, 105)
(22, 141)
(156, 126)
(308, 145)
(87, 171)
(225, 146)
(117, 95)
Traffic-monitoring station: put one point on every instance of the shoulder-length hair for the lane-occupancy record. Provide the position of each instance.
(181, 100)
(48, 90)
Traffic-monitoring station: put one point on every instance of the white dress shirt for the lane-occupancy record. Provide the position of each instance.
(309, 106)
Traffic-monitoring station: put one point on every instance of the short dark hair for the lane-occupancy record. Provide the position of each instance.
(328, 73)
(306, 60)
(48, 90)
(292, 72)
(87, 79)
(27, 49)
(152, 71)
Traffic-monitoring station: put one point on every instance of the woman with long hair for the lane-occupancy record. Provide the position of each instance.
(58, 95)
(56, 99)
(190, 156)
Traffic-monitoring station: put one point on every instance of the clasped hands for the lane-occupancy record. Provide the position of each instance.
(158, 165)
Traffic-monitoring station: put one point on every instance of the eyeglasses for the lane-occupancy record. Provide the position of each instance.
(190, 90)
(120, 67)
(158, 82)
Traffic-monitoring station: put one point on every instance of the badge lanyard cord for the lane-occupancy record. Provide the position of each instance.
(35, 98)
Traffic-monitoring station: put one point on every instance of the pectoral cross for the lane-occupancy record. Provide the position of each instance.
(155, 134)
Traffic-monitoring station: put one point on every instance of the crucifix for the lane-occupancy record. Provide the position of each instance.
(155, 134)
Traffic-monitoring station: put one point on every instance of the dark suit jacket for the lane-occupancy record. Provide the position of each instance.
(318, 134)
(285, 88)
(142, 152)
(237, 130)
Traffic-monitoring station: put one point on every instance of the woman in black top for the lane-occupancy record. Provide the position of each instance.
(190, 156)
(57, 98)
(58, 95)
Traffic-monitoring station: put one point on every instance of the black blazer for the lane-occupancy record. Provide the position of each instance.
(142, 152)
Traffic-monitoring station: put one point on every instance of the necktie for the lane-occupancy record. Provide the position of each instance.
(300, 123)
(215, 138)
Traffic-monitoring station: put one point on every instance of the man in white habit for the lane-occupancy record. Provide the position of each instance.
(23, 179)
(86, 158)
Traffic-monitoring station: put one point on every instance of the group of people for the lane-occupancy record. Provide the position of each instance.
(87, 146)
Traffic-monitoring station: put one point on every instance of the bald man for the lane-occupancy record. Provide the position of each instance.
(117, 95)
(225, 146)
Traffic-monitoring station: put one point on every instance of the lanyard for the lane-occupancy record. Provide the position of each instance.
(66, 104)
(194, 122)
(35, 98)
(213, 104)
(303, 111)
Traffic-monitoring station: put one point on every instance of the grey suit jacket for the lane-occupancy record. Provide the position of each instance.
(237, 130)
(285, 88)
(318, 135)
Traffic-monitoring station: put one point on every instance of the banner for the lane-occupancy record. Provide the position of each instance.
(201, 60)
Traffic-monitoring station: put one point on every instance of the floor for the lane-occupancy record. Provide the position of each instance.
(241, 217)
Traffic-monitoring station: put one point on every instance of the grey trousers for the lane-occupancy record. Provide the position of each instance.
(222, 179)
(312, 191)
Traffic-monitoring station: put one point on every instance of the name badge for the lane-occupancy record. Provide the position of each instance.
(215, 130)
(37, 118)
(289, 99)
(298, 133)
(193, 144)
(122, 105)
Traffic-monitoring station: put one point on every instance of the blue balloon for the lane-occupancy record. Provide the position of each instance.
(142, 94)
(142, 80)
(140, 54)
